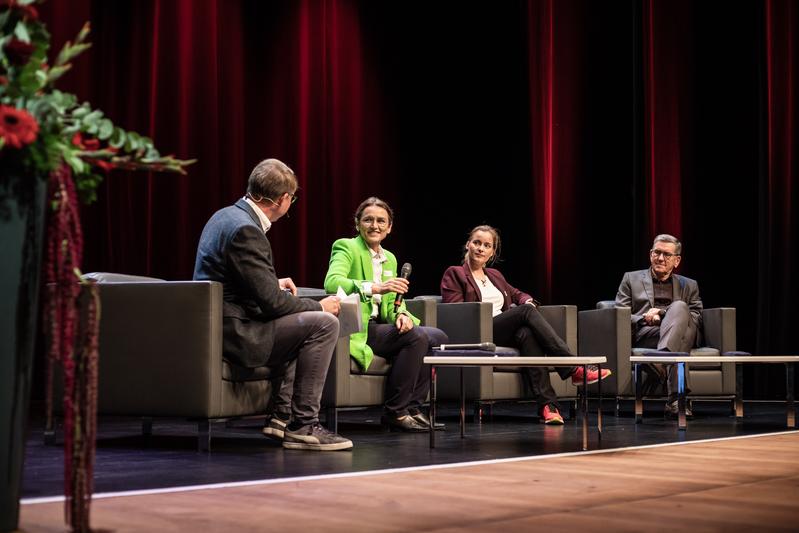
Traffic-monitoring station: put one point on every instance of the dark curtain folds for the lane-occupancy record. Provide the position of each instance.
(228, 83)
(778, 230)
(579, 128)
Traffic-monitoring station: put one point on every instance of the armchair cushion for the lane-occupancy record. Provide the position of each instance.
(379, 367)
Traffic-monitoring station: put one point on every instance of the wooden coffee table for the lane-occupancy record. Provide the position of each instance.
(475, 358)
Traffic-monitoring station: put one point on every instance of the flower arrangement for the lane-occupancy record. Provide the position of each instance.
(47, 134)
(41, 127)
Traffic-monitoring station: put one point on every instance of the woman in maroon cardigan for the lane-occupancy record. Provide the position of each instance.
(520, 326)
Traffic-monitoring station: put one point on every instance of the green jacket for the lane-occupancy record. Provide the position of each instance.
(351, 266)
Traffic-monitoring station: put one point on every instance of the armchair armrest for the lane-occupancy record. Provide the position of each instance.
(466, 322)
(719, 328)
(719, 332)
(607, 332)
(563, 319)
(162, 338)
(423, 309)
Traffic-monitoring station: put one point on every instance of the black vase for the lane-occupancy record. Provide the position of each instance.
(22, 210)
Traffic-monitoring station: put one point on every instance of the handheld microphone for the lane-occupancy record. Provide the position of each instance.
(483, 346)
(405, 273)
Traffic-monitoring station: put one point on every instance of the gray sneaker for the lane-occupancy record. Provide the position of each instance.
(314, 437)
(274, 428)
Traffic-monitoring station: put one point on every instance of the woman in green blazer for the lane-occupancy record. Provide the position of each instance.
(361, 265)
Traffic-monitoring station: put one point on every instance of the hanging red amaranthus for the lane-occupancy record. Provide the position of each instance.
(72, 343)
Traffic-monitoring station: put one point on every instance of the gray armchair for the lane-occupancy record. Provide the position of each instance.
(348, 387)
(161, 355)
(471, 322)
(607, 331)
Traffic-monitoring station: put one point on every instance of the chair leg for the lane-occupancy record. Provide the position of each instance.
(204, 436)
(50, 433)
(146, 426)
(331, 419)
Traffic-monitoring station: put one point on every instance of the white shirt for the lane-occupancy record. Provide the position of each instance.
(265, 222)
(492, 295)
(378, 258)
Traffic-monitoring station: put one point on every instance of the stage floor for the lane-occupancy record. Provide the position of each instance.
(127, 461)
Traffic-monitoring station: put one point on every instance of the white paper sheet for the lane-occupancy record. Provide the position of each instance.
(349, 318)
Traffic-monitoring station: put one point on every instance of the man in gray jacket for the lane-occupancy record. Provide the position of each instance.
(666, 309)
(264, 323)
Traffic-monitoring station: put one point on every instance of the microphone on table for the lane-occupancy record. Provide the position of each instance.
(405, 273)
(482, 346)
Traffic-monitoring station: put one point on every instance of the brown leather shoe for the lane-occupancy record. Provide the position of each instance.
(422, 420)
(404, 423)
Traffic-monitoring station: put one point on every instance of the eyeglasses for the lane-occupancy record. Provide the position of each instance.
(666, 255)
(294, 198)
(369, 220)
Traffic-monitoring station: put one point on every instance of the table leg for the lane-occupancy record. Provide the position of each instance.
(639, 403)
(463, 405)
(599, 410)
(681, 401)
(739, 391)
(432, 406)
(585, 407)
(789, 401)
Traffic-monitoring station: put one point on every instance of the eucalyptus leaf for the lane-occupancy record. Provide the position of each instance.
(105, 130)
(118, 138)
(92, 118)
(77, 164)
(81, 111)
(133, 143)
(21, 31)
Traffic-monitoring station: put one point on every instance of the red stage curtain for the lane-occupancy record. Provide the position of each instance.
(228, 83)
(667, 59)
(779, 224)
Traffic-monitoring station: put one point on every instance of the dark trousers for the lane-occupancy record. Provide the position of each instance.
(408, 380)
(304, 344)
(676, 333)
(524, 328)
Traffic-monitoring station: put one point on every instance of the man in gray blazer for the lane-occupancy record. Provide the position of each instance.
(666, 309)
(264, 323)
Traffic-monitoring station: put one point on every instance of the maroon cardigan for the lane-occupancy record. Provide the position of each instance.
(458, 285)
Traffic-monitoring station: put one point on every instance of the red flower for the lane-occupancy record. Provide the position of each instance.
(105, 165)
(85, 144)
(19, 52)
(3, 80)
(17, 127)
(27, 12)
(91, 144)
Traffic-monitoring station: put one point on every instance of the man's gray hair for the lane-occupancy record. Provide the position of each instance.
(665, 237)
(271, 179)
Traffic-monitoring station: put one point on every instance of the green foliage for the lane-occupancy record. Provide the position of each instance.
(69, 131)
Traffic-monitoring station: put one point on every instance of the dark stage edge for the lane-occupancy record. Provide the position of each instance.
(128, 461)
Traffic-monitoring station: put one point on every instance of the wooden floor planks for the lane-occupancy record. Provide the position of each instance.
(733, 485)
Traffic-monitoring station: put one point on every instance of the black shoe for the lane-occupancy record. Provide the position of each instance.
(405, 423)
(314, 437)
(671, 411)
(422, 420)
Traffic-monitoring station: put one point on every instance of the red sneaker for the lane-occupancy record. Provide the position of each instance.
(550, 415)
(593, 375)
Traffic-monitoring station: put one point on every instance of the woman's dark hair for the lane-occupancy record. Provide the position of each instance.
(497, 241)
(373, 200)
